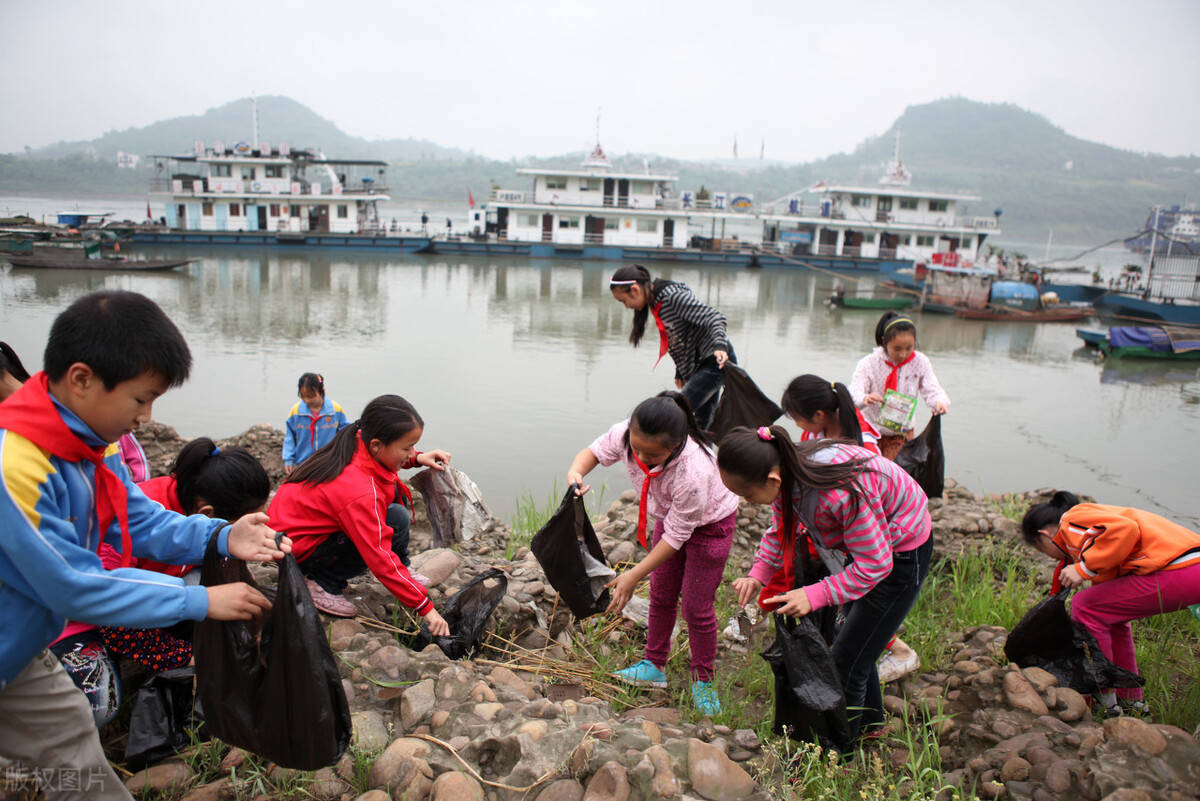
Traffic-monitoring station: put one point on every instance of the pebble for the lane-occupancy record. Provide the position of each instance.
(455, 786)
(160, 778)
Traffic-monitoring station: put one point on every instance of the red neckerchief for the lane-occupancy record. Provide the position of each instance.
(314, 418)
(368, 462)
(641, 531)
(663, 342)
(893, 379)
(31, 412)
(1056, 583)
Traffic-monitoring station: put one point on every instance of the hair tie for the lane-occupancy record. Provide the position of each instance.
(214, 451)
(899, 320)
(615, 282)
(833, 386)
(765, 434)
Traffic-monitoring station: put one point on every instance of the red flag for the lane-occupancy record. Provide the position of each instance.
(149, 216)
(470, 199)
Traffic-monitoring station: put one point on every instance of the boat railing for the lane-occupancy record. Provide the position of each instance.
(593, 239)
(981, 222)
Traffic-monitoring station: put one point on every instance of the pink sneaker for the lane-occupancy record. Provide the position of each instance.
(329, 603)
(422, 579)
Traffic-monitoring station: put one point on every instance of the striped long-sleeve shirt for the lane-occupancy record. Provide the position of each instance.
(891, 515)
(694, 329)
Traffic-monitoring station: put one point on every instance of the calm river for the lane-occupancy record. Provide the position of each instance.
(515, 366)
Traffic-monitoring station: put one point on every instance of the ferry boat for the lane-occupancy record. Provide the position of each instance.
(596, 212)
(271, 195)
(1171, 292)
(1173, 231)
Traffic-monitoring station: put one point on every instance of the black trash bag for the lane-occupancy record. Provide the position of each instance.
(809, 703)
(165, 714)
(275, 689)
(467, 614)
(923, 458)
(570, 556)
(742, 404)
(1048, 638)
(453, 503)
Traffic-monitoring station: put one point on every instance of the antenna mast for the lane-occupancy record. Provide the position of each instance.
(254, 108)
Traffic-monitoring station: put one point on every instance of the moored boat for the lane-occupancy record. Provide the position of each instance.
(1145, 342)
(76, 259)
(1049, 314)
(852, 302)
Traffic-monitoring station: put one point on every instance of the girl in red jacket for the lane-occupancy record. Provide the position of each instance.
(345, 509)
(1138, 563)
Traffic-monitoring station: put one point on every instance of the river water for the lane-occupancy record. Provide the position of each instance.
(516, 365)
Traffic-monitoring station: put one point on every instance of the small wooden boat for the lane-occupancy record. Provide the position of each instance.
(851, 302)
(75, 260)
(1047, 314)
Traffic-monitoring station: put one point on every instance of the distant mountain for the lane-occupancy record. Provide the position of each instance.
(280, 119)
(1042, 177)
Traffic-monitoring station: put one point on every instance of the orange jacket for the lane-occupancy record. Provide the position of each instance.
(1105, 542)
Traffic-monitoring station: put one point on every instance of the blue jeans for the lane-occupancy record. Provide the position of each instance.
(870, 623)
(336, 560)
(703, 390)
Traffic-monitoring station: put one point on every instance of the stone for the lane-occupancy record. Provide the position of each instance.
(746, 738)
(417, 702)
(610, 783)
(503, 677)
(1072, 705)
(714, 775)
(535, 729)
(1058, 777)
(373, 795)
(455, 786)
(1015, 769)
(213, 791)
(437, 563)
(659, 714)
(1137, 733)
(233, 759)
(488, 711)
(389, 660)
(368, 732)
(326, 785)
(1039, 678)
(895, 706)
(160, 778)
(342, 631)
(664, 784)
(1020, 694)
(652, 731)
(561, 790)
(1129, 794)
(439, 718)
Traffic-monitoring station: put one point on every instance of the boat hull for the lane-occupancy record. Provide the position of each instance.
(1137, 309)
(39, 261)
(1037, 316)
(872, 303)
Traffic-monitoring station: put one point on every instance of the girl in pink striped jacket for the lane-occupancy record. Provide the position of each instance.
(865, 506)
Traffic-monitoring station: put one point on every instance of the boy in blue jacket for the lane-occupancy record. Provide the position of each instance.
(64, 490)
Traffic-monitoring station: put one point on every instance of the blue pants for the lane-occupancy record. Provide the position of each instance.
(870, 623)
(336, 560)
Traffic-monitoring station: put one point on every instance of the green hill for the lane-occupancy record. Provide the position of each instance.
(1042, 177)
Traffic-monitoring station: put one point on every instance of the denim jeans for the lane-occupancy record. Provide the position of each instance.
(870, 623)
(336, 560)
(703, 390)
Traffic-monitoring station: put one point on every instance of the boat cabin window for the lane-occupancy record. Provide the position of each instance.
(556, 182)
(530, 220)
(611, 223)
(342, 211)
(235, 210)
(568, 222)
(966, 243)
(861, 201)
(924, 241)
(274, 209)
(908, 203)
(294, 211)
(647, 226)
(220, 170)
(869, 236)
(589, 184)
(273, 171)
(938, 205)
(206, 208)
(906, 239)
(247, 173)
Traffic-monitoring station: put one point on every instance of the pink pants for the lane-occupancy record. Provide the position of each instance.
(691, 575)
(1105, 610)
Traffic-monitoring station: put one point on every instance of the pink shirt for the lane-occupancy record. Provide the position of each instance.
(891, 515)
(686, 495)
(915, 378)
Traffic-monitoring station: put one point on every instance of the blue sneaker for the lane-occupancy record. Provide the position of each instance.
(705, 698)
(644, 673)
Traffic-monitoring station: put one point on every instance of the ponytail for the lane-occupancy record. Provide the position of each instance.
(668, 416)
(623, 279)
(386, 418)
(230, 479)
(10, 363)
(751, 455)
(808, 394)
(313, 381)
(1041, 515)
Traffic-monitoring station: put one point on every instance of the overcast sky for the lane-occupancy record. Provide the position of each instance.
(526, 77)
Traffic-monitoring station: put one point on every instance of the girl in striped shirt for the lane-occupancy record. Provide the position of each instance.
(865, 506)
(693, 333)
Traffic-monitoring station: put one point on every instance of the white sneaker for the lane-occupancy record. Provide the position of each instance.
(892, 667)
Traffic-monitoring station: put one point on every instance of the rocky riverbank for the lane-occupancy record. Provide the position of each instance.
(519, 722)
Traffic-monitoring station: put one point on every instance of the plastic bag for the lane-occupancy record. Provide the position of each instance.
(454, 504)
(273, 690)
(809, 703)
(165, 709)
(742, 404)
(467, 614)
(1048, 638)
(923, 458)
(557, 548)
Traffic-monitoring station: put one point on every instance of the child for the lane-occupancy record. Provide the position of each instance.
(670, 459)
(345, 509)
(692, 332)
(13, 374)
(897, 365)
(1139, 564)
(865, 506)
(312, 423)
(63, 493)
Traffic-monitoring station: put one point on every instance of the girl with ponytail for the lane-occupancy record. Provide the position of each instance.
(844, 498)
(311, 423)
(1138, 563)
(670, 460)
(693, 333)
(824, 409)
(347, 511)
